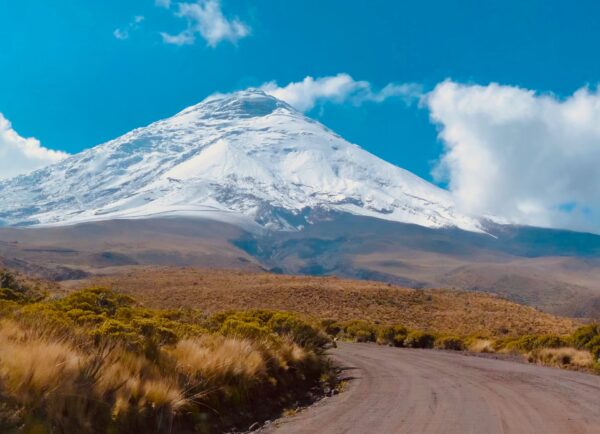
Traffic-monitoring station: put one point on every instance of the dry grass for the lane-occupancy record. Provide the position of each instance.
(35, 370)
(481, 346)
(219, 358)
(562, 358)
(62, 371)
(58, 386)
(444, 311)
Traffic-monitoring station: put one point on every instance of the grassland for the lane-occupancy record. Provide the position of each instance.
(438, 311)
(368, 311)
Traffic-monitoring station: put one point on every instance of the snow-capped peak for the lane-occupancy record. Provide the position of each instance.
(245, 156)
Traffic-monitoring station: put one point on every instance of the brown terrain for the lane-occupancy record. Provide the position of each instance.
(213, 290)
(554, 271)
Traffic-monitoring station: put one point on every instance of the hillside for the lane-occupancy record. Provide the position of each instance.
(328, 297)
(559, 273)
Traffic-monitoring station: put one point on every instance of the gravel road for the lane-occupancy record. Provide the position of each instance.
(423, 391)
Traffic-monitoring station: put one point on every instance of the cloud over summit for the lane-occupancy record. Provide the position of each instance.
(530, 158)
(305, 94)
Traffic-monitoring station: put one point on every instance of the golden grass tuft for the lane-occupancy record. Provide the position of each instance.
(36, 369)
(478, 345)
(215, 357)
(164, 393)
(562, 357)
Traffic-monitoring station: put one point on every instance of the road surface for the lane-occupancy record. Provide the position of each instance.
(423, 392)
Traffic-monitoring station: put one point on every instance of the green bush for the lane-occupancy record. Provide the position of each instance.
(298, 330)
(359, 331)
(594, 346)
(392, 335)
(551, 341)
(263, 323)
(245, 329)
(97, 300)
(12, 289)
(331, 327)
(584, 335)
(449, 343)
(532, 342)
(416, 339)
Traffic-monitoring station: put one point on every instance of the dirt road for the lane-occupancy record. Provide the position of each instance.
(424, 391)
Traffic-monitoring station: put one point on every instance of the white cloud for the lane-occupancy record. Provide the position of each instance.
(530, 158)
(305, 94)
(183, 38)
(19, 155)
(205, 18)
(123, 33)
(163, 3)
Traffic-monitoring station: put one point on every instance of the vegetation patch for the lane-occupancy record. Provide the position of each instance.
(578, 350)
(340, 300)
(97, 362)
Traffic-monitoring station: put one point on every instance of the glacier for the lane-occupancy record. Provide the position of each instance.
(246, 158)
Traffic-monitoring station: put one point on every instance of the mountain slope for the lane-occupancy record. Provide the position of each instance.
(246, 158)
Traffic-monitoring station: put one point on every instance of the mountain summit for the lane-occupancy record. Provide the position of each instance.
(245, 157)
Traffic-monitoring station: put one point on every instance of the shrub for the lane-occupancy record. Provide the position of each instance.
(298, 330)
(359, 331)
(392, 335)
(331, 327)
(9, 281)
(531, 342)
(416, 339)
(263, 323)
(13, 289)
(449, 343)
(243, 329)
(584, 335)
(594, 347)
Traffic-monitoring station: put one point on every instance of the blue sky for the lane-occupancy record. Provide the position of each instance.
(74, 73)
(65, 78)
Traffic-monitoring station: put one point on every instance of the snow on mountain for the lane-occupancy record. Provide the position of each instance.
(243, 157)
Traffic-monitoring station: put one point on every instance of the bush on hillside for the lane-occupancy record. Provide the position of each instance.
(528, 343)
(359, 331)
(392, 335)
(449, 343)
(331, 327)
(584, 335)
(262, 323)
(417, 339)
(298, 330)
(12, 289)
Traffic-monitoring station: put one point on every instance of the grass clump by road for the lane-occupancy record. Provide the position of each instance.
(96, 362)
